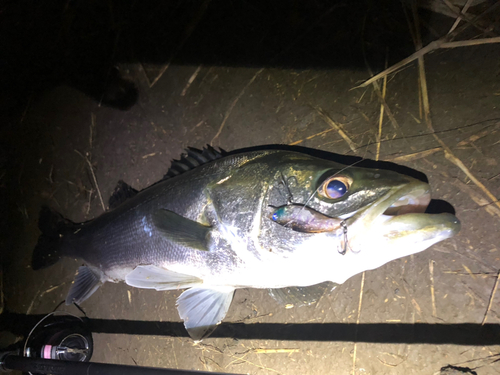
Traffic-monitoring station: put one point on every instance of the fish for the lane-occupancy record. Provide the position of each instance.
(205, 228)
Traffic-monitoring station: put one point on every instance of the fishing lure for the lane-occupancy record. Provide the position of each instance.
(304, 219)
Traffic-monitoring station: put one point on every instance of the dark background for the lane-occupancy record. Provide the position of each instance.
(129, 84)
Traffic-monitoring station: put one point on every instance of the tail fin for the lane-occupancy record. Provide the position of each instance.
(54, 227)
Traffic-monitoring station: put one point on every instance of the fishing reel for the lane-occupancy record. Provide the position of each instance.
(60, 336)
(57, 336)
(61, 344)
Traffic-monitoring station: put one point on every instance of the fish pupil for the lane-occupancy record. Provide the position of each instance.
(336, 189)
(275, 216)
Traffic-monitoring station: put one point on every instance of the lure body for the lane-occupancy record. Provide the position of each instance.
(303, 219)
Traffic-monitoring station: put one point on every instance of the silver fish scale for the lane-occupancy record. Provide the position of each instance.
(126, 237)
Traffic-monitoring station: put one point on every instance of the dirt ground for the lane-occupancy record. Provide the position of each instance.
(237, 75)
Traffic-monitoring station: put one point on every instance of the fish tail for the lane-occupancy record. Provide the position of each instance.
(49, 248)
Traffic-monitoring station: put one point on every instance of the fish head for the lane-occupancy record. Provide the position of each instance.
(383, 213)
(392, 222)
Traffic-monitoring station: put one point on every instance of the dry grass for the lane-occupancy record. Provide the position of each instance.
(381, 117)
(433, 294)
(233, 104)
(448, 153)
(492, 297)
(414, 156)
(444, 42)
(337, 128)
(191, 80)
(91, 169)
(362, 287)
(311, 137)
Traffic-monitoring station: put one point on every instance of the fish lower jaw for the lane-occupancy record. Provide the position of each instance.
(409, 199)
(444, 223)
(393, 237)
(402, 214)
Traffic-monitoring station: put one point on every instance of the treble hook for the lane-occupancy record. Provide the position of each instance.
(343, 225)
(285, 184)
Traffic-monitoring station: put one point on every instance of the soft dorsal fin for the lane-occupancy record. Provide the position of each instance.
(193, 158)
(122, 192)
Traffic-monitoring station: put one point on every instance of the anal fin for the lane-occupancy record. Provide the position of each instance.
(202, 309)
(87, 280)
(153, 277)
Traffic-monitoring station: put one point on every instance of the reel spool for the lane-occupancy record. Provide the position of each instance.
(60, 336)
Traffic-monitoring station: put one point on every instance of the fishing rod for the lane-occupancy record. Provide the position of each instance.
(62, 344)
(11, 361)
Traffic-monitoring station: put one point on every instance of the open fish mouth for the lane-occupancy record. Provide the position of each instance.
(414, 202)
(401, 215)
(406, 217)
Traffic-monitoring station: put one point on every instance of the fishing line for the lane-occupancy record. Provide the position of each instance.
(296, 214)
(336, 173)
(343, 223)
(53, 313)
(290, 200)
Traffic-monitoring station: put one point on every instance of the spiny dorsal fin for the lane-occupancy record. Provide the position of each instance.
(193, 158)
(190, 160)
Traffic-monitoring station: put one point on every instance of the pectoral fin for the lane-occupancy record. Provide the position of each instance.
(202, 309)
(87, 280)
(153, 277)
(180, 230)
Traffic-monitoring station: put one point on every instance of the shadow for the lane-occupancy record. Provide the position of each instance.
(80, 43)
(438, 206)
(419, 333)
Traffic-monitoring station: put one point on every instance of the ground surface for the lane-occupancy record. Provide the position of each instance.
(235, 94)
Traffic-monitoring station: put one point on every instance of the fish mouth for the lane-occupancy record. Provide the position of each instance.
(416, 201)
(401, 215)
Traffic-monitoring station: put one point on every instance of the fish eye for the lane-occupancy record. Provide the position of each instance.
(335, 187)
